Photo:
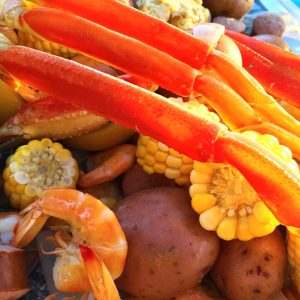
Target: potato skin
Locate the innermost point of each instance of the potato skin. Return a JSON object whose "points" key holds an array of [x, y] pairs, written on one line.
{"points": [[269, 23], [228, 8], [253, 270], [273, 39], [136, 179], [168, 251], [230, 23]]}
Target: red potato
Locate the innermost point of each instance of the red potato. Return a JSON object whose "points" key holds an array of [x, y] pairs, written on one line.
{"points": [[230, 23], [253, 270], [272, 39], [14, 278], [228, 8], [136, 179], [269, 23], [199, 293], [168, 251]]}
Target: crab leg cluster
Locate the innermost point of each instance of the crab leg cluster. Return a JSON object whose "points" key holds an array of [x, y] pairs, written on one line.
{"points": [[50, 74], [182, 67], [277, 70]]}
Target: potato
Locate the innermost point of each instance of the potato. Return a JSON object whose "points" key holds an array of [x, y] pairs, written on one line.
{"points": [[228, 8], [269, 23], [273, 39], [230, 23], [200, 293], [253, 270], [136, 179], [168, 251]]}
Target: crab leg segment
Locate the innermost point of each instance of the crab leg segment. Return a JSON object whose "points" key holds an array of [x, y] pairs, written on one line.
{"points": [[112, 98], [151, 64], [269, 51], [279, 73], [251, 90], [111, 47], [138, 25], [160, 119]]}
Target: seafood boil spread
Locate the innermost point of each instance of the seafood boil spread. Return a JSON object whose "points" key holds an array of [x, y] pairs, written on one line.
{"points": [[151, 150]]}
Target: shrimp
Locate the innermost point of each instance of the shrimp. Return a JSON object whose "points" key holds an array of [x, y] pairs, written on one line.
{"points": [[110, 164], [95, 254]]}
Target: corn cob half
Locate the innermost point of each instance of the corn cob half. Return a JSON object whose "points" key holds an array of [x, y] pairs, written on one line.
{"points": [[156, 157], [227, 203], [10, 17], [35, 167]]}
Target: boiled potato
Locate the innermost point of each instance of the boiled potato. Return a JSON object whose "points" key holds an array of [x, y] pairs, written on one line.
{"points": [[228, 8], [136, 179], [269, 23], [273, 39], [253, 270], [230, 23], [168, 251]]}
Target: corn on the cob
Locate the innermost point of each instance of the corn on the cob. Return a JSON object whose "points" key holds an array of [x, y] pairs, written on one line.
{"points": [[32, 41], [36, 166], [10, 18], [156, 157], [225, 200], [10, 34]]}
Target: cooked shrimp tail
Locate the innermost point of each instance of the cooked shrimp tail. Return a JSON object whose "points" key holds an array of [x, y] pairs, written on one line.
{"points": [[27, 228], [100, 279]]}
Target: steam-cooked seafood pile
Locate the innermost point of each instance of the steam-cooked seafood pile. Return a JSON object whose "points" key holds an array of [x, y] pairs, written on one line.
{"points": [[209, 175]]}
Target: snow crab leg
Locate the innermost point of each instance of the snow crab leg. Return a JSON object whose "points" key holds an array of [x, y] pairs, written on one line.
{"points": [[277, 70], [154, 57], [160, 118]]}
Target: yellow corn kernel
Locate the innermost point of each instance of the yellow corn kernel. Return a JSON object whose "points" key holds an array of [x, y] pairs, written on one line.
{"points": [[198, 189], [211, 218], [253, 135], [173, 162], [141, 151], [183, 180], [160, 168], [263, 214], [268, 141], [159, 156], [172, 173], [202, 178], [186, 160], [203, 202], [242, 231], [36, 166], [258, 229], [32, 41], [174, 153], [227, 228], [186, 169], [152, 147], [149, 159], [148, 169]]}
